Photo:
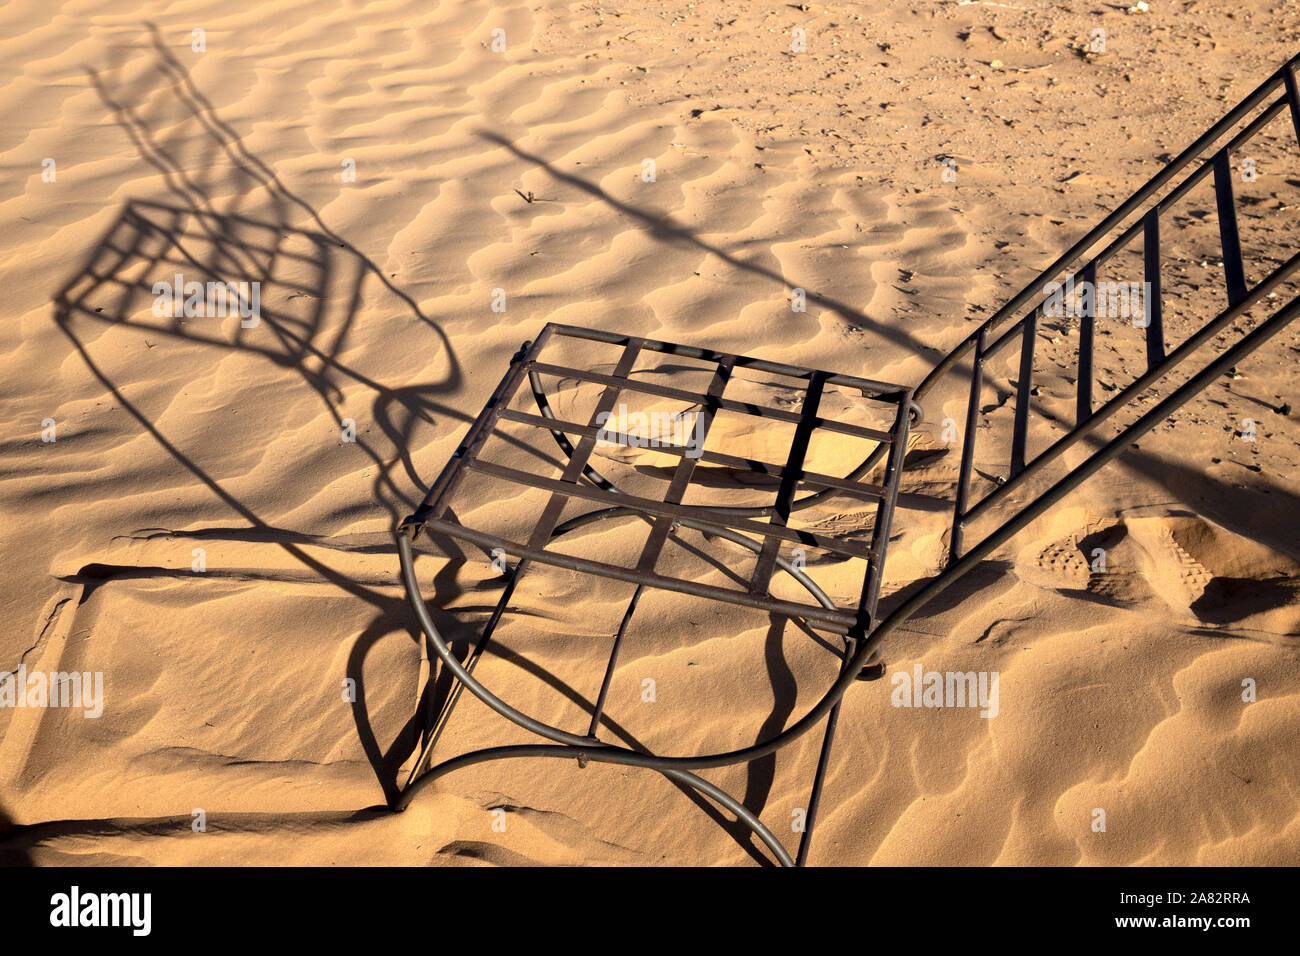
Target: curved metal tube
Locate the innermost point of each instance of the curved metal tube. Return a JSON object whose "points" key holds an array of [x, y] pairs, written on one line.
{"points": [[847, 678], [600, 755]]}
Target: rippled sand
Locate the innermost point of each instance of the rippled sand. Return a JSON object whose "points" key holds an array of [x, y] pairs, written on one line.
{"points": [[201, 532]]}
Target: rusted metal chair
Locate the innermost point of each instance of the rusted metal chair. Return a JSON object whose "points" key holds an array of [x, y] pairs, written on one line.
{"points": [[890, 412]]}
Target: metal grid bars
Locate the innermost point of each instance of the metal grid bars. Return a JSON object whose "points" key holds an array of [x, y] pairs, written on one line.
{"points": [[578, 480]]}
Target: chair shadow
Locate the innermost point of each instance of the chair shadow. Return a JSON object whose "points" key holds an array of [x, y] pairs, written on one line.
{"points": [[310, 282], [663, 229]]}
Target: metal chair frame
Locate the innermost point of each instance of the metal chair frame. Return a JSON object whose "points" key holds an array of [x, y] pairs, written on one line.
{"points": [[859, 627]]}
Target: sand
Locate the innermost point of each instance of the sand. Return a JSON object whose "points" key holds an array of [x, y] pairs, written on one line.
{"points": [[203, 533]]}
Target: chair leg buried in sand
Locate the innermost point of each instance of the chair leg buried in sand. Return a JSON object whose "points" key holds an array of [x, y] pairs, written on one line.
{"points": [[695, 414]]}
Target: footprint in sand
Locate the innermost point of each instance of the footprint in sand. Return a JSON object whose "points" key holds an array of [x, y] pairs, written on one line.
{"points": [[1064, 562], [1220, 577], [1102, 563], [1192, 568], [1191, 574]]}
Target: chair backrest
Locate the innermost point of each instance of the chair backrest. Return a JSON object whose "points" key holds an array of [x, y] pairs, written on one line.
{"points": [[1154, 313]]}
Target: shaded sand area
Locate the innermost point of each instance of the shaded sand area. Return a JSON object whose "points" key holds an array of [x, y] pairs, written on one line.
{"points": [[204, 533]]}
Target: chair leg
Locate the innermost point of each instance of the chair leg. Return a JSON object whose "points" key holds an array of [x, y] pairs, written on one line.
{"points": [[823, 761], [436, 726]]}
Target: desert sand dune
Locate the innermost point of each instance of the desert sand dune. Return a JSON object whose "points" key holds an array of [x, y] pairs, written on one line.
{"points": [[212, 527]]}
